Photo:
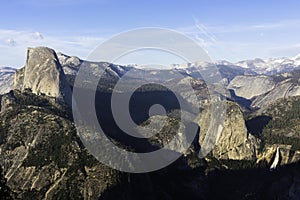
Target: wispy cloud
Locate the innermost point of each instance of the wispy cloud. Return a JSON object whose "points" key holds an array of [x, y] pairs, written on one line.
{"points": [[201, 34], [10, 42], [214, 30], [272, 26], [13, 45], [202, 29], [246, 41], [232, 42], [279, 50]]}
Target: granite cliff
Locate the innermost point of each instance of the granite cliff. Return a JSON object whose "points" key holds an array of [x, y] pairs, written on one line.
{"points": [[43, 74]]}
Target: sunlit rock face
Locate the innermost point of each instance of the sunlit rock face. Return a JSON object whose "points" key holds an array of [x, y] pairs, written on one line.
{"points": [[251, 86], [43, 74], [234, 141]]}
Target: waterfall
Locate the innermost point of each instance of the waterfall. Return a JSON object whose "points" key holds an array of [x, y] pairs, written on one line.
{"points": [[276, 160]]}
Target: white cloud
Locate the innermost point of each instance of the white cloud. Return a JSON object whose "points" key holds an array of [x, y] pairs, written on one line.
{"points": [[231, 43], [10, 42], [37, 36], [13, 45]]}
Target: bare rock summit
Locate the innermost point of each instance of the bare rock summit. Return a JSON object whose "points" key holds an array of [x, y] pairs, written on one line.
{"points": [[43, 74]]}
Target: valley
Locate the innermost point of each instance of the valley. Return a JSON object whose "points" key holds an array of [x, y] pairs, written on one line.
{"points": [[43, 157]]}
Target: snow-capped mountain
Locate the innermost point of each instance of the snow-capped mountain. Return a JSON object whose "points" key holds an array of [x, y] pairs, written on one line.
{"points": [[6, 79], [272, 65], [227, 70], [7, 70], [259, 66]]}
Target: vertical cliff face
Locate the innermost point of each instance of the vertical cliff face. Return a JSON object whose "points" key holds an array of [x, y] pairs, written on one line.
{"points": [[234, 142], [43, 74]]}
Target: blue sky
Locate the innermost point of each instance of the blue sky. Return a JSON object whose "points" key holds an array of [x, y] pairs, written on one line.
{"points": [[226, 29]]}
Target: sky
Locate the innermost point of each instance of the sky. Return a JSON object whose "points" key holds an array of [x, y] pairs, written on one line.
{"points": [[230, 30]]}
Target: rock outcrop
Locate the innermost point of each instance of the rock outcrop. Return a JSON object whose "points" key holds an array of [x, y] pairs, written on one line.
{"points": [[259, 91], [287, 155], [43, 74], [41, 156], [234, 142], [283, 89], [251, 86]]}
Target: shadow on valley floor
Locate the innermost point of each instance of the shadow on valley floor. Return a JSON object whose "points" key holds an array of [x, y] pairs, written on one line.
{"points": [[250, 184], [259, 183], [246, 103], [139, 105], [255, 125], [170, 183]]}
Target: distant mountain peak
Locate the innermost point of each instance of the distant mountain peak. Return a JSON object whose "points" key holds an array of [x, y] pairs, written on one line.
{"points": [[272, 65], [297, 57]]}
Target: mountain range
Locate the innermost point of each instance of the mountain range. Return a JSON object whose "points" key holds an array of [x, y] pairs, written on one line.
{"points": [[274, 78], [6, 79], [268, 66], [271, 66], [42, 157]]}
